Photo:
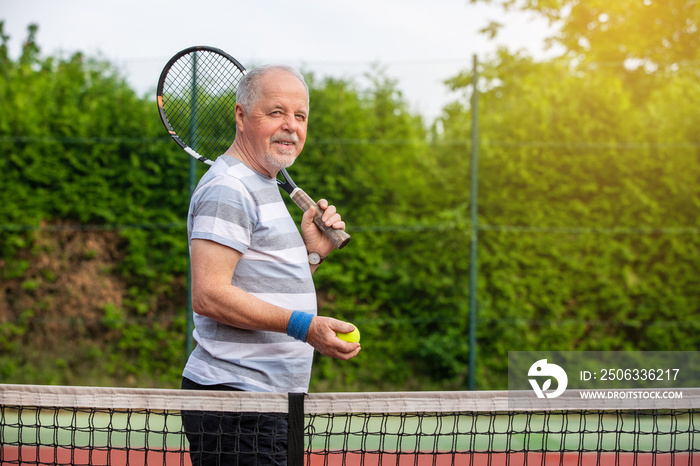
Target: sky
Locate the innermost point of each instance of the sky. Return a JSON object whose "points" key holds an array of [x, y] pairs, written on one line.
{"points": [[418, 43]]}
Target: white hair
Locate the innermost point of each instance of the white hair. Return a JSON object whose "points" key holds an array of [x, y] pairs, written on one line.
{"points": [[249, 88]]}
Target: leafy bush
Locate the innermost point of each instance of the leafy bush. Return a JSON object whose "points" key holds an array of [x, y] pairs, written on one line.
{"points": [[587, 211]]}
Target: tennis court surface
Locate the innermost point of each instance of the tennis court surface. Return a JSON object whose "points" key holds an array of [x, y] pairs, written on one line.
{"points": [[118, 426]]}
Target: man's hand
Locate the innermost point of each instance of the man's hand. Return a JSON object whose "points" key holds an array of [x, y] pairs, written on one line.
{"points": [[314, 239], [321, 335]]}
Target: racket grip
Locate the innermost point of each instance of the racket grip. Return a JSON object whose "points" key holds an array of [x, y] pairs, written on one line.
{"points": [[304, 201]]}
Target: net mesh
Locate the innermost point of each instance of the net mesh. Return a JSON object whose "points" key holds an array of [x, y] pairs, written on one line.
{"points": [[100, 426]]}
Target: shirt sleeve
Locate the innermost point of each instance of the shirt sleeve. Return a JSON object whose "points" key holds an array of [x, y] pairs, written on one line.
{"points": [[224, 212]]}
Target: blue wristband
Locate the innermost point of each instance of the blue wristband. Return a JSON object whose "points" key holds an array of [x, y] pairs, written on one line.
{"points": [[299, 324]]}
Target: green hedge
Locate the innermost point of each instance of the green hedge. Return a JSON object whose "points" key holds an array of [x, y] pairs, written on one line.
{"points": [[589, 234]]}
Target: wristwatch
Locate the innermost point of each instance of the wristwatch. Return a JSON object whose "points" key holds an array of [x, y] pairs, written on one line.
{"points": [[315, 258]]}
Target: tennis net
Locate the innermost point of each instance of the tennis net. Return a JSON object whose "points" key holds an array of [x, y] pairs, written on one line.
{"points": [[110, 426]]}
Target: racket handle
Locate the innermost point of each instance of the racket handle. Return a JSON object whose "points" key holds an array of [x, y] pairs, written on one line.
{"points": [[304, 201]]}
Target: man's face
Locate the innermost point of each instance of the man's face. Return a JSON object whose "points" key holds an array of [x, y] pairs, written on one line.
{"points": [[275, 129]]}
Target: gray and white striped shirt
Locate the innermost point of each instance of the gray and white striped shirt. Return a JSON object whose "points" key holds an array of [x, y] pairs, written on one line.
{"points": [[240, 208]]}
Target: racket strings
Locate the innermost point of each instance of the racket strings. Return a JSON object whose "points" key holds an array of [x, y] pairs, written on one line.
{"points": [[199, 99]]}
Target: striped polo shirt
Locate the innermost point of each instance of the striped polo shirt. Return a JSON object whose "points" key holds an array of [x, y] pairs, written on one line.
{"points": [[240, 208]]}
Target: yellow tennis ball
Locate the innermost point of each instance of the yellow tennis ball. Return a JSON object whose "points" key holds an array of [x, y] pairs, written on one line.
{"points": [[352, 337]]}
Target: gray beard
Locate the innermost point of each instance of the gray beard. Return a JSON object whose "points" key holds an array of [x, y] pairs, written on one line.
{"points": [[278, 163]]}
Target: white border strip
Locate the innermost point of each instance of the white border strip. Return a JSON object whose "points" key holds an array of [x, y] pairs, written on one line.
{"points": [[141, 398], [317, 403], [488, 401]]}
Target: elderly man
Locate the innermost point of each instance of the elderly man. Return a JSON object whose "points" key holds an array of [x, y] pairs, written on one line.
{"points": [[252, 290]]}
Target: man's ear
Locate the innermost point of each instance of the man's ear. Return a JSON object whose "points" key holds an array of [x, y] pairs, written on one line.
{"points": [[240, 116]]}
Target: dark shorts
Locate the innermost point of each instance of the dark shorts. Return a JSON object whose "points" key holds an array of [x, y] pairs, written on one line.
{"points": [[234, 438]]}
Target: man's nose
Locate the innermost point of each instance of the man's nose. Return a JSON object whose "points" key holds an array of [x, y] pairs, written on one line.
{"points": [[290, 123]]}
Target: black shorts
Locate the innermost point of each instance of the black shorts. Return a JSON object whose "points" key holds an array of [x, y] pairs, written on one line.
{"points": [[234, 439]]}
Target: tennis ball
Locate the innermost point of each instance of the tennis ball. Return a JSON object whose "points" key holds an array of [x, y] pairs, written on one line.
{"points": [[352, 337]]}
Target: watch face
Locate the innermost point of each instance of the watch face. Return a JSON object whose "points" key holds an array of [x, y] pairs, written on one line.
{"points": [[314, 258]]}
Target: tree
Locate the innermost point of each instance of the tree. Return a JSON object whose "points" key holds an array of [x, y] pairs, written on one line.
{"points": [[633, 34]]}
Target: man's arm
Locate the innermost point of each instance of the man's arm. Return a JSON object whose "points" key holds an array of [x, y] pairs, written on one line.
{"points": [[213, 296]]}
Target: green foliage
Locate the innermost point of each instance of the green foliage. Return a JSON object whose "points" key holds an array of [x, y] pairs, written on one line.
{"points": [[587, 210], [587, 194], [634, 37], [82, 149]]}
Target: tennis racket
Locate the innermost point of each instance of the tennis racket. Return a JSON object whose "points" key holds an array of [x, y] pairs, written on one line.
{"points": [[197, 99]]}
